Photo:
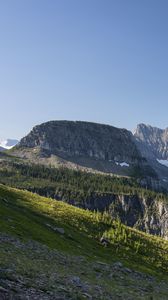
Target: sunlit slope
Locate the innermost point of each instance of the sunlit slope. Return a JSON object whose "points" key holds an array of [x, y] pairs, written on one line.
{"points": [[29, 216]]}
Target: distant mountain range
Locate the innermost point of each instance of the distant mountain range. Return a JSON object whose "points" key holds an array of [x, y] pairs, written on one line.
{"points": [[7, 144], [99, 147]]}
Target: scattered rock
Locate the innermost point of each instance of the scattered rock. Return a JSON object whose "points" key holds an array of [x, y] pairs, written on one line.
{"points": [[104, 241], [58, 229], [2, 290], [60, 276], [117, 265], [102, 263], [127, 270], [87, 296], [76, 280], [5, 200]]}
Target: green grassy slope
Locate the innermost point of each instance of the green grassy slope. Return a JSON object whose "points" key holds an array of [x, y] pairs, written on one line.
{"points": [[30, 216], [50, 262]]}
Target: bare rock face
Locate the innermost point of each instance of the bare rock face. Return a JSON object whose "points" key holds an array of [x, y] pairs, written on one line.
{"points": [[147, 214], [152, 142], [92, 140], [99, 147], [141, 212]]}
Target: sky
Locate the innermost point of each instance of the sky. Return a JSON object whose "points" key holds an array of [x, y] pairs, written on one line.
{"points": [[104, 61]]}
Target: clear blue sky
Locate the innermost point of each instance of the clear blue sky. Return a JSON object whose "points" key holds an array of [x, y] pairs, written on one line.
{"points": [[96, 60]]}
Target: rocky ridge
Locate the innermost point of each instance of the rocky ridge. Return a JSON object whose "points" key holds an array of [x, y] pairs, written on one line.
{"points": [[152, 142], [99, 147], [69, 139]]}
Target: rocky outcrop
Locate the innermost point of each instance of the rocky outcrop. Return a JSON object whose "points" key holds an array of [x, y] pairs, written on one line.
{"points": [[146, 214], [93, 140], [99, 147]]}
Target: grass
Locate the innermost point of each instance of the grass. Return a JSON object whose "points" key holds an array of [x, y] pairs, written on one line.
{"points": [[31, 217]]}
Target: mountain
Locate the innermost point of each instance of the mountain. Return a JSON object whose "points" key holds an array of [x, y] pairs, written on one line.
{"points": [[2, 149], [98, 147], [85, 145], [7, 144], [83, 139], [152, 142]]}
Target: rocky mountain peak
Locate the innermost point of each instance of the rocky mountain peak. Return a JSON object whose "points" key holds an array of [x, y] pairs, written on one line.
{"points": [[145, 132], [87, 139], [152, 140], [92, 145], [153, 145]]}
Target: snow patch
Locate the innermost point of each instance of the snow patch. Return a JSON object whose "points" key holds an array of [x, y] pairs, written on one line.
{"points": [[163, 162], [8, 144], [123, 164]]}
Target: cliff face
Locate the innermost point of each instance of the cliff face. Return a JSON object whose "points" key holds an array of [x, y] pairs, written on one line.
{"points": [[83, 139], [149, 214], [152, 142], [146, 214], [100, 147]]}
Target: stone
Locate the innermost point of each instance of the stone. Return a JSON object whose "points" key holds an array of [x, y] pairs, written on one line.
{"points": [[104, 241], [87, 296], [127, 270], [3, 290], [60, 230], [118, 265]]}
